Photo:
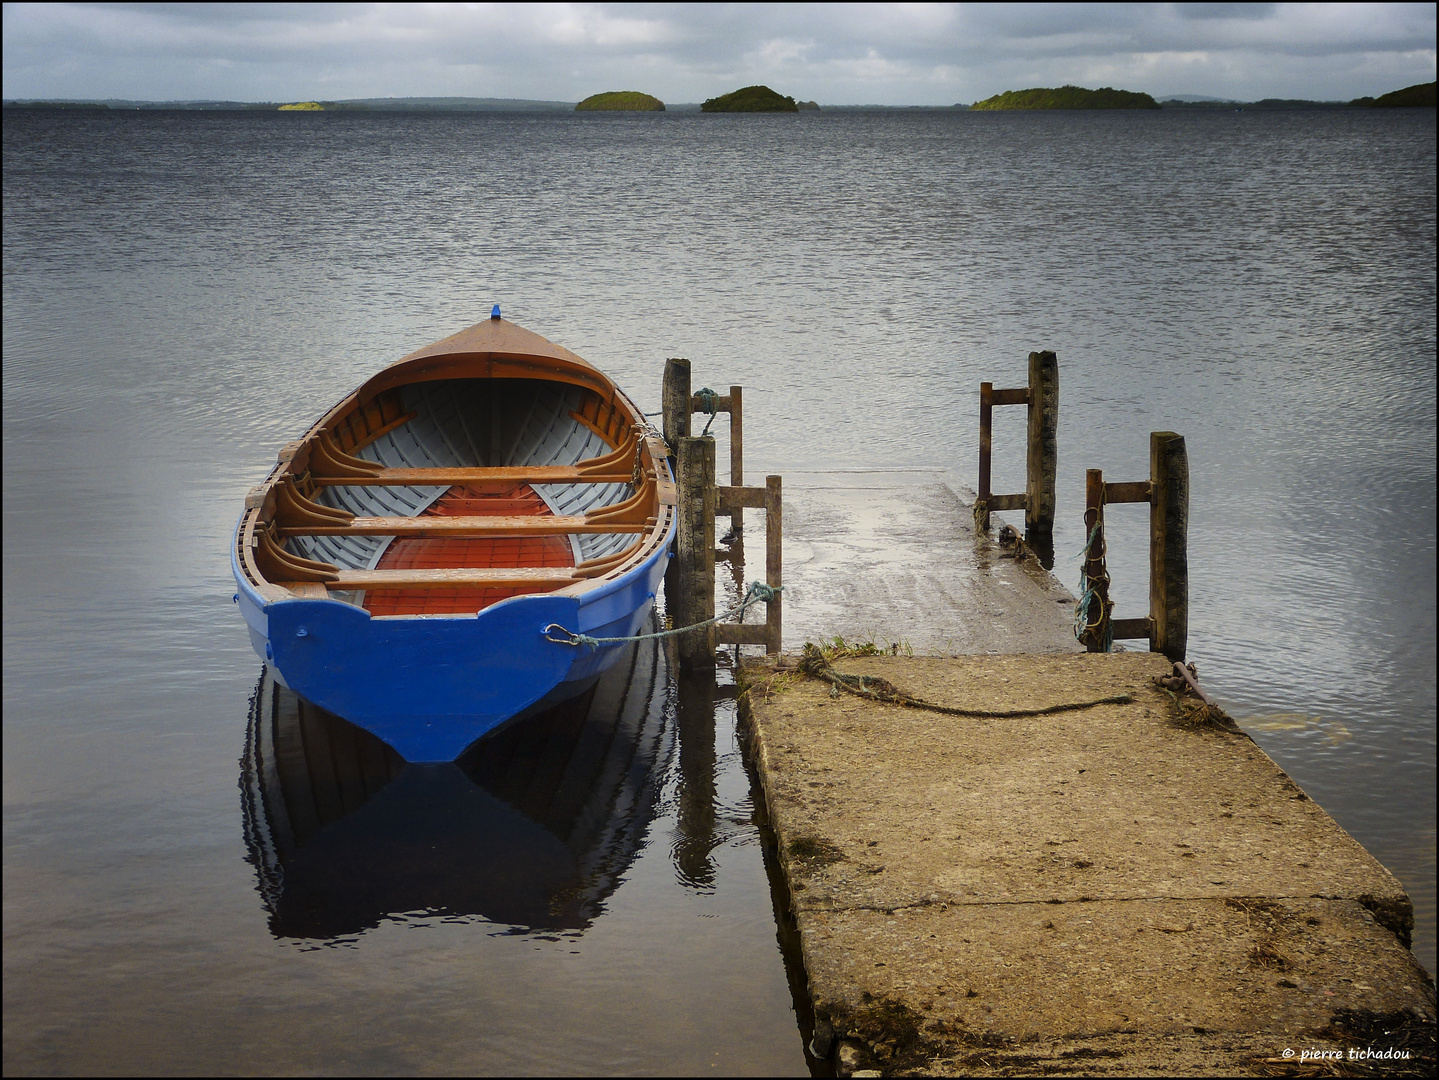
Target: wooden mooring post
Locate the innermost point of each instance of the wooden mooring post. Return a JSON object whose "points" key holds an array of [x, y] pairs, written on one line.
{"points": [[692, 598], [1041, 449], [1167, 493], [690, 582]]}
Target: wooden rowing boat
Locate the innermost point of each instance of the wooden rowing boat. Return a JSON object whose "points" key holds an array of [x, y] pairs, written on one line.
{"points": [[404, 562]]}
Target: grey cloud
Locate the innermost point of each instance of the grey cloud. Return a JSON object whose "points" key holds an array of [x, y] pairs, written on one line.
{"points": [[886, 53]]}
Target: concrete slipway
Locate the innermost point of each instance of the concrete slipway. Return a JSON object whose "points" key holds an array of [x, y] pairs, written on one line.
{"points": [[1104, 891]]}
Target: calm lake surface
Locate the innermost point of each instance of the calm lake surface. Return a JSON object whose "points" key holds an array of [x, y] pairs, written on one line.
{"points": [[184, 292]]}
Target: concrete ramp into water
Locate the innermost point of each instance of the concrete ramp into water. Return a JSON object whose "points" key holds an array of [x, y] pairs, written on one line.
{"points": [[889, 557], [1107, 890]]}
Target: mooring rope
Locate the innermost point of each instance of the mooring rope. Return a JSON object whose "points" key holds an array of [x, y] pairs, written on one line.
{"points": [[758, 592], [817, 666], [1089, 592], [709, 403]]}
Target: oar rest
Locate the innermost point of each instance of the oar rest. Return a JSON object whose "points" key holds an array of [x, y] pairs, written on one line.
{"points": [[294, 509], [331, 466], [278, 565]]}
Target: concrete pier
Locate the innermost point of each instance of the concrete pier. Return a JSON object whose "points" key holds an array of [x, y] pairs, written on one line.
{"points": [[1102, 891]]}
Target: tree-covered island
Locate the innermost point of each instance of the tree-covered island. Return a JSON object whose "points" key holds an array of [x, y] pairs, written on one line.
{"points": [[1068, 97], [621, 101], [1418, 96], [751, 99]]}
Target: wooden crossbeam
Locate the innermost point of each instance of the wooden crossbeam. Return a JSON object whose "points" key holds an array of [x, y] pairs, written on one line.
{"points": [[501, 577], [1019, 395], [1126, 629], [733, 498], [1133, 491], [438, 525], [742, 634]]}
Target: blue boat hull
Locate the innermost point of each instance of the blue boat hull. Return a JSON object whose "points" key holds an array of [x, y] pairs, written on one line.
{"points": [[429, 686]]}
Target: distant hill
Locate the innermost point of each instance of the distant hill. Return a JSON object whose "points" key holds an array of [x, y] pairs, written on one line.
{"points": [[460, 104], [55, 105], [1418, 96], [621, 101], [751, 99], [414, 104], [1068, 97], [1263, 103], [896, 108]]}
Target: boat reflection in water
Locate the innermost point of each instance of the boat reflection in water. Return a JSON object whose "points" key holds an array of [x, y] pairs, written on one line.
{"points": [[534, 827]]}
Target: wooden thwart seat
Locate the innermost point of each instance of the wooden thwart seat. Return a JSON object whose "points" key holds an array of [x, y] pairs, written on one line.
{"points": [[327, 577], [297, 515], [439, 525], [524, 577], [331, 466]]}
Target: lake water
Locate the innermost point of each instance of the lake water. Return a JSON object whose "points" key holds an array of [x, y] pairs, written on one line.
{"points": [[184, 292]]}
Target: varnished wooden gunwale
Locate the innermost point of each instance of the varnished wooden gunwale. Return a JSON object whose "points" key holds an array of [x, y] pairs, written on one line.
{"points": [[373, 409]]}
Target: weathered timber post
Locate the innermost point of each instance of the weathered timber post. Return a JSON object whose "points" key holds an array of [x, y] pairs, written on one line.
{"points": [[736, 452], [773, 565], [1096, 634], [675, 424], [676, 401], [986, 427], [1168, 545], [1042, 453], [692, 597]]}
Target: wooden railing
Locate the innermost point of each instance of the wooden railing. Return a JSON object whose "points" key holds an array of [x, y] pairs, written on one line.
{"points": [[690, 586], [1167, 493], [1041, 453]]}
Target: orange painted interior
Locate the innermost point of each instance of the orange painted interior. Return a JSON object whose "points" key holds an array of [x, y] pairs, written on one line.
{"points": [[469, 500]]}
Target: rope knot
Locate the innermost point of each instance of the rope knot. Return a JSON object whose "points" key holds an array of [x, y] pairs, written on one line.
{"points": [[758, 590], [709, 404]]}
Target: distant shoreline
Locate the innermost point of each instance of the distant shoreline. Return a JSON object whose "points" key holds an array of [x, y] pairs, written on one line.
{"points": [[523, 105]]}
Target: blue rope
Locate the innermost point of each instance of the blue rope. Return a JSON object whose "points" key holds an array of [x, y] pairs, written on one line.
{"points": [[758, 592]]}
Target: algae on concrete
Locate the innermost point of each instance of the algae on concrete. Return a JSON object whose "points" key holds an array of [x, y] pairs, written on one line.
{"points": [[1111, 891]]}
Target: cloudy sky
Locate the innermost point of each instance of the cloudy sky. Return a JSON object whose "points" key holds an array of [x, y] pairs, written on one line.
{"points": [[888, 54]]}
